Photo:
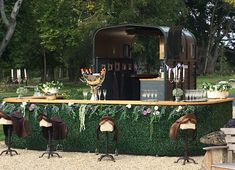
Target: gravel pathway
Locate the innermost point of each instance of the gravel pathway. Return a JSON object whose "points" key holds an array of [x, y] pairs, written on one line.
{"points": [[29, 160]]}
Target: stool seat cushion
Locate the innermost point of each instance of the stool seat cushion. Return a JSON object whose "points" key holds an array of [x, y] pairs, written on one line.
{"points": [[188, 125], [106, 127], [44, 123], [5, 121]]}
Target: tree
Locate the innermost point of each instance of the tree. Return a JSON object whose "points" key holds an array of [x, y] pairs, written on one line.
{"points": [[210, 21], [9, 24]]}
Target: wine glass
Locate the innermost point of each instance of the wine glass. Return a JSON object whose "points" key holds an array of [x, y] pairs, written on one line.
{"points": [[155, 95], [189, 95], [85, 92], [186, 95], [148, 94], [143, 94], [99, 93], [104, 93]]}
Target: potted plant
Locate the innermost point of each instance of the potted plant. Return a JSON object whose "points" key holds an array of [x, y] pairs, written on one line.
{"points": [[50, 88], [20, 91], [217, 90], [177, 93], [232, 82]]}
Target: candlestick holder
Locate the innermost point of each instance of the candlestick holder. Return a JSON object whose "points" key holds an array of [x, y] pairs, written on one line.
{"points": [[176, 74]]}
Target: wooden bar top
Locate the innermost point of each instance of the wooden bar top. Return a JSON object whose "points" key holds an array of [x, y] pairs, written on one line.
{"points": [[117, 102]]}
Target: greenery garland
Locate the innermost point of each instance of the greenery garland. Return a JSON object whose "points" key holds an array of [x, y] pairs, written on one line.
{"points": [[125, 111], [82, 116]]}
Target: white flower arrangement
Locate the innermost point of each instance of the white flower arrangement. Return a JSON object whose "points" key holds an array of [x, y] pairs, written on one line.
{"points": [[218, 90], [51, 87], [179, 109], [156, 107], [23, 104], [221, 86], [128, 106], [70, 104]]}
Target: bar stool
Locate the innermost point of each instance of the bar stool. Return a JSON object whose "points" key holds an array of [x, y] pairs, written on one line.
{"points": [[7, 123], [107, 125], [52, 128], [185, 123]]}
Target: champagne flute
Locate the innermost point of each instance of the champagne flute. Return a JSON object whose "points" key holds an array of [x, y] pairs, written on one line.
{"points": [[143, 94], [151, 95], [99, 93], [85, 92], [147, 95], [155, 95], [186, 95], [104, 93]]}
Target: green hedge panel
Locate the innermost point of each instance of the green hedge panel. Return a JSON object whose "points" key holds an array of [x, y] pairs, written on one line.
{"points": [[134, 136]]}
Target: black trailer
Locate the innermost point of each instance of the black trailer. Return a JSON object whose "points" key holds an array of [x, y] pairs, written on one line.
{"points": [[130, 70]]}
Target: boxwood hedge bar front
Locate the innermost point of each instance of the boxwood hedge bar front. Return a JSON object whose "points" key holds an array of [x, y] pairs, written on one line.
{"points": [[143, 126]]}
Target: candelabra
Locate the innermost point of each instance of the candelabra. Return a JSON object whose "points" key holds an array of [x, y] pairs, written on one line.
{"points": [[176, 74]]}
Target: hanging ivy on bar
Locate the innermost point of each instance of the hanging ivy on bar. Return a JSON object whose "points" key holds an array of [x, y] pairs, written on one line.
{"points": [[84, 111], [180, 111]]}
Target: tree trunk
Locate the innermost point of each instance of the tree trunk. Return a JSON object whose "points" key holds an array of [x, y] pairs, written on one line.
{"points": [[44, 66], [210, 66], [10, 25], [201, 58]]}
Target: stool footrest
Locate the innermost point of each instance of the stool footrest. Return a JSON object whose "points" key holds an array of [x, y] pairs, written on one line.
{"points": [[106, 155], [185, 159], [50, 154], [9, 150]]}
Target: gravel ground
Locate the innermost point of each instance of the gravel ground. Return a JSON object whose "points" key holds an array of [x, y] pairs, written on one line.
{"points": [[29, 160]]}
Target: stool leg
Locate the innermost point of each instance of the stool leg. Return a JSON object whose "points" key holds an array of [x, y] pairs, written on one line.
{"points": [[106, 150], [186, 156], [9, 136], [49, 150]]}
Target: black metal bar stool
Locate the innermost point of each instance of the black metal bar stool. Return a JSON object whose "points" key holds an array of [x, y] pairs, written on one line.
{"points": [[7, 123], [52, 129], [107, 125], [185, 124]]}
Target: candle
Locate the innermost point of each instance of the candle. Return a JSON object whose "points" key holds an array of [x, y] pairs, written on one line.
{"points": [[18, 75], [176, 73], [25, 74], [179, 73], [12, 74], [169, 73], [183, 71]]}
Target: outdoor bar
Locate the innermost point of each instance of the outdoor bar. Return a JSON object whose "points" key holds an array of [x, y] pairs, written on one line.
{"points": [[143, 120], [140, 130]]}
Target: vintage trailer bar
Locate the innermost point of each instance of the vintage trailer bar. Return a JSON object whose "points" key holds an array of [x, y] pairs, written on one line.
{"points": [[132, 53], [143, 125]]}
